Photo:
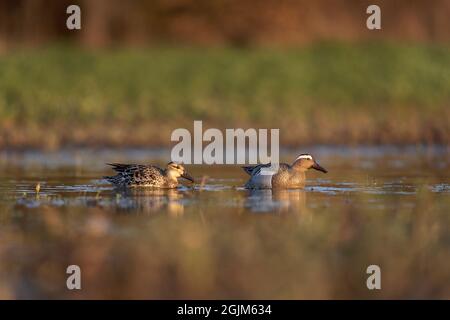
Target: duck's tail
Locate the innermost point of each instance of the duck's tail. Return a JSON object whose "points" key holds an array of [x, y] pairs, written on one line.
{"points": [[114, 180], [249, 169]]}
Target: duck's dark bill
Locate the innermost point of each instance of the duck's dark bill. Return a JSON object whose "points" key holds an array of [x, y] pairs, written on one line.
{"points": [[318, 167], [187, 176]]}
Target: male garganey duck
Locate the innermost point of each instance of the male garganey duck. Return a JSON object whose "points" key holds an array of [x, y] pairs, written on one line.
{"points": [[137, 175], [287, 176]]}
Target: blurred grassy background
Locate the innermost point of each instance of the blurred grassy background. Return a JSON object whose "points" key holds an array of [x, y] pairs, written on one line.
{"points": [[311, 69], [326, 93]]}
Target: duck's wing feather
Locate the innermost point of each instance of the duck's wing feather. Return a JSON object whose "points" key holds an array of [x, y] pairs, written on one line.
{"points": [[135, 174], [128, 168], [254, 170], [121, 167]]}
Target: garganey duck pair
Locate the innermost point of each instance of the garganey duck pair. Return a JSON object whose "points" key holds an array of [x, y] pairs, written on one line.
{"points": [[287, 176]]}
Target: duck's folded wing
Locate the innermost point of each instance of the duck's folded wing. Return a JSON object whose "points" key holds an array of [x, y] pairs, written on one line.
{"points": [[135, 173], [120, 167], [133, 168], [255, 170]]}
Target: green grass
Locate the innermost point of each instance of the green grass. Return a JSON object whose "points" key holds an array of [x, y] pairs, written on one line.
{"points": [[354, 93]]}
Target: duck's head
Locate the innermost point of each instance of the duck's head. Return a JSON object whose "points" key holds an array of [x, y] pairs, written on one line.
{"points": [[175, 170], [305, 162]]}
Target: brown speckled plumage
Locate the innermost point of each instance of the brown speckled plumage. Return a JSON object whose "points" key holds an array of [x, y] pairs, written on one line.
{"points": [[138, 175]]}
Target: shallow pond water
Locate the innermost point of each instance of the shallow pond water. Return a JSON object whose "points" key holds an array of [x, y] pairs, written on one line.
{"points": [[387, 206]]}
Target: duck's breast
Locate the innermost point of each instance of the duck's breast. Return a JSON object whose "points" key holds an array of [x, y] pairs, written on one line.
{"points": [[288, 179]]}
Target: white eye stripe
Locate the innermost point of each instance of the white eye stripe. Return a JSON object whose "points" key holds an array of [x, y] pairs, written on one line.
{"points": [[304, 156]]}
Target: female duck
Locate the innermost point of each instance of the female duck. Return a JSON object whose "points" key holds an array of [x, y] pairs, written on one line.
{"points": [[136, 175]]}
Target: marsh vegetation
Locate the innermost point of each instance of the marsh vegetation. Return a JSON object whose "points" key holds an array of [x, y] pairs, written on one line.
{"points": [[324, 93]]}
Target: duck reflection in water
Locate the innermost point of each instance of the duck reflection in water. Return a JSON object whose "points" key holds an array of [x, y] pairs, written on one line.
{"points": [[150, 201], [277, 200]]}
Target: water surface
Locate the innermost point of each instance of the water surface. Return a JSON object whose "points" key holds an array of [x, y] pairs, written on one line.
{"points": [[387, 206]]}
